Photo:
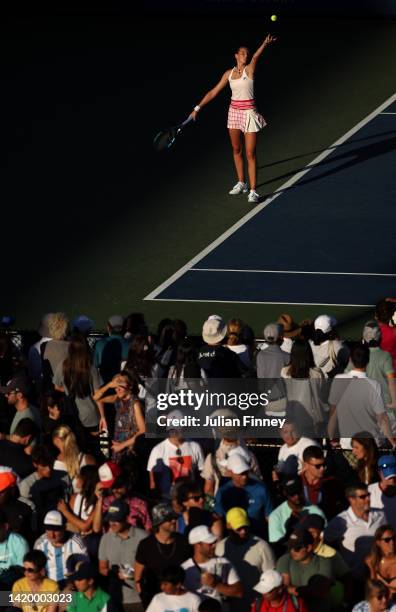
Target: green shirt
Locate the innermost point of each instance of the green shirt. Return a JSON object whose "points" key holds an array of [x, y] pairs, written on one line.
{"points": [[83, 604], [300, 573]]}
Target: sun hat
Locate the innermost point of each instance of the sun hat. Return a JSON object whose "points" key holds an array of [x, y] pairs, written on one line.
{"points": [[214, 330]]}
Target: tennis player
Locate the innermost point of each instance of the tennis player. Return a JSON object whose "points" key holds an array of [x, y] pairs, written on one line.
{"points": [[243, 118]]}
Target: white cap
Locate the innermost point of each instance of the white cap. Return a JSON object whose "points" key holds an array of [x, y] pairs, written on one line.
{"points": [[237, 464], [201, 534], [325, 323], [236, 450], [52, 519], [270, 579]]}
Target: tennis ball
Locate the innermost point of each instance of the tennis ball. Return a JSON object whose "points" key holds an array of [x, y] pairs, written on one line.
{"points": [[274, 17]]}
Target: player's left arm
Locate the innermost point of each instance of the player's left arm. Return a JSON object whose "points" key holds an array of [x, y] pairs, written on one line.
{"points": [[251, 67]]}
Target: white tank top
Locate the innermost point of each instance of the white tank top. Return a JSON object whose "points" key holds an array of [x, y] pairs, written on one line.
{"points": [[242, 88]]}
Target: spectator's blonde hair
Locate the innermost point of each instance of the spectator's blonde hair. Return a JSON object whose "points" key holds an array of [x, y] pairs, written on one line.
{"points": [[234, 329], [58, 325], [71, 451]]}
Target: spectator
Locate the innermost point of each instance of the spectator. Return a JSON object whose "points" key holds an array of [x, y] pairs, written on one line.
{"points": [[377, 598], [216, 360], [324, 491], [173, 458], [249, 554], [365, 451], [384, 312], [69, 459], [352, 531], [14, 448], [17, 514], [191, 501], [173, 597], [158, 551], [315, 524], [55, 350], [111, 350], [13, 547], [78, 379], [82, 325], [140, 361], [241, 491], [129, 420], [305, 389], [275, 597], [121, 489], [215, 466], [35, 362], [383, 493], [186, 365], [16, 393], [282, 520], [58, 545], [270, 361], [117, 553], [290, 461], [235, 328], [330, 354], [380, 366], [53, 414], [301, 564], [134, 325], [89, 595], [381, 561], [291, 331], [209, 575], [35, 581], [357, 405]]}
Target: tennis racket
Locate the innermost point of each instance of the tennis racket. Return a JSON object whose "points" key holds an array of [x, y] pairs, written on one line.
{"points": [[166, 138]]}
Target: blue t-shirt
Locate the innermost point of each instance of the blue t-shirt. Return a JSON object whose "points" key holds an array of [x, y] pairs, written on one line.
{"points": [[254, 498]]}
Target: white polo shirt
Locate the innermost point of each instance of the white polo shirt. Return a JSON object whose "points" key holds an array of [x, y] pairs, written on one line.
{"points": [[380, 501], [355, 535]]}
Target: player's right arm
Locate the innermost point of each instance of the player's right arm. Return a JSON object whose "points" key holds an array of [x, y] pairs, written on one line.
{"points": [[212, 93]]}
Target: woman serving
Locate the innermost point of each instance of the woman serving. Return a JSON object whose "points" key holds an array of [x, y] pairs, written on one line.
{"points": [[243, 117]]}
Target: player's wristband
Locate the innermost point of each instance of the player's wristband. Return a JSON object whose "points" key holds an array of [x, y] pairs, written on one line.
{"points": [[197, 108]]}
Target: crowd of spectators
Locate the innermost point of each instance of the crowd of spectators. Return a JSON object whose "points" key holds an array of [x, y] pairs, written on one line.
{"points": [[94, 515]]}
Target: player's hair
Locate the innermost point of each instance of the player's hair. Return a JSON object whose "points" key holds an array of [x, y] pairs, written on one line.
{"points": [[173, 574], [37, 557], [312, 452], [301, 359], [58, 325], [384, 311], [350, 491], [360, 355], [185, 489], [26, 427], [376, 587], [234, 330], [41, 456]]}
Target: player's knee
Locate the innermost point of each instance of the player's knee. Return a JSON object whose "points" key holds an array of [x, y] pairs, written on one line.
{"points": [[237, 150], [250, 154]]}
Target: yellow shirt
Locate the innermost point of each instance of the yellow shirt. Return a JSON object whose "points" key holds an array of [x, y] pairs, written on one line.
{"points": [[22, 586]]}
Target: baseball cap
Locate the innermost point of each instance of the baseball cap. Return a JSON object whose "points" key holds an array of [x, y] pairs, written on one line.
{"points": [[84, 571], [371, 331], [237, 464], [292, 486], [387, 465], [269, 580], [272, 332], [201, 534], [299, 537], [312, 520], [237, 518], [108, 472], [54, 520], [117, 512], [116, 321], [15, 384], [83, 324], [214, 330], [325, 323], [163, 512], [7, 479]]}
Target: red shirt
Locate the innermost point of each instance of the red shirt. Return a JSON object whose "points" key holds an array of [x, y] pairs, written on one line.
{"points": [[388, 340], [265, 606]]}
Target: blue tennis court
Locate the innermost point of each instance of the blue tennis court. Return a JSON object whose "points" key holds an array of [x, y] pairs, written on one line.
{"points": [[325, 237]]}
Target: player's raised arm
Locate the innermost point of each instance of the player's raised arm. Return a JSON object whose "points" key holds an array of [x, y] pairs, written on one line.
{"points": [[269, 39], [212, 93]]}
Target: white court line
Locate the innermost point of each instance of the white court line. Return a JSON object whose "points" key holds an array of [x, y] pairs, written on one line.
{"points": [[268, 303], [289, 272], [387, 113], [260, 207]]}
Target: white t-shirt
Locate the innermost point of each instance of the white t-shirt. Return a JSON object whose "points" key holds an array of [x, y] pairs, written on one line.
{"points": [[174, 603], [219, 566], [290, 455], [165, 452], [242, 351]]}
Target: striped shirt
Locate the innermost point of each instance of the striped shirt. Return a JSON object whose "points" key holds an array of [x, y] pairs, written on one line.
{"points": [[57, 556]]}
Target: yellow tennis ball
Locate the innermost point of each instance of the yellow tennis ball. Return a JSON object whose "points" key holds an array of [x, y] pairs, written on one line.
{"points": [[274, 17]]}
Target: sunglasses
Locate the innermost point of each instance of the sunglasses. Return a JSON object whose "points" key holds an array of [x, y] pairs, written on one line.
{"points": [[363, 496], [388, 539], [30, 570], [317, 466], [196, 497], [179, 458]]}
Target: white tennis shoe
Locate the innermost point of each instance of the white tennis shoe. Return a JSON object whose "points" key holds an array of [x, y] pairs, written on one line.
{"points": [[253, 196], [239, 188]]}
